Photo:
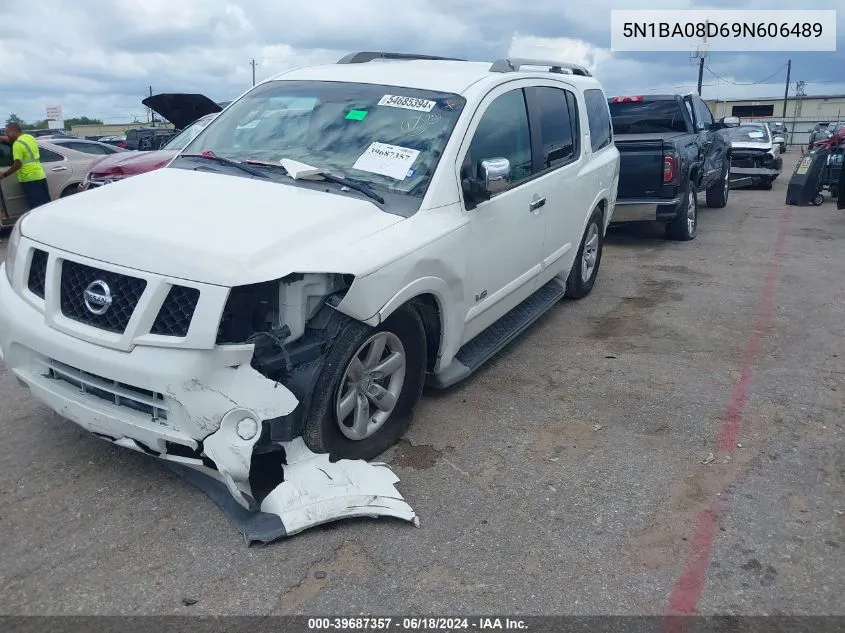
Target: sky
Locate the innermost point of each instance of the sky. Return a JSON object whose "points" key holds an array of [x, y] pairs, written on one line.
{"points": [[98, 58]]}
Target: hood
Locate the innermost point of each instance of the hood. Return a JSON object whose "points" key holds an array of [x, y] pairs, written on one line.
{"points": [[131, 163], [765, 146], [181, 109], [210, 228]]}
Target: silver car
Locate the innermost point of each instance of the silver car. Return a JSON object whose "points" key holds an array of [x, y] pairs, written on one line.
{"points": [[65, 163]]}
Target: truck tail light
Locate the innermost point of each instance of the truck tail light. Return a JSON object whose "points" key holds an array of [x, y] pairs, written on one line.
{"points": [[627, 99], [670, 168]]}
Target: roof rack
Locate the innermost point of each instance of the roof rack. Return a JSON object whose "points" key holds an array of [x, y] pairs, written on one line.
{"points": [[368, 56], [512, 65]]}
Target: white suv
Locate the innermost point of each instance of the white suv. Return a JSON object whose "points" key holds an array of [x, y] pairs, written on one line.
{"points": [[337, 237]]}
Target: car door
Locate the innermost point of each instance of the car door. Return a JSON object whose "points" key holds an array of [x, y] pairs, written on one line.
{"points": [[562, 178], [712, 144], [505, 232], [58, 168], [13, 203]]}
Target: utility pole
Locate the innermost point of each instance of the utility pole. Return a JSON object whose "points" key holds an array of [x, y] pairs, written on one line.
{"points": [[786, 90], [252, 63], [701, 54]]}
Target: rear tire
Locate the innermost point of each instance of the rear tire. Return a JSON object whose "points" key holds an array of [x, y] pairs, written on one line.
{"points": [[717, 193], [403, 334], [69, 191], [685, 226], [766, 185], [584, 271]]}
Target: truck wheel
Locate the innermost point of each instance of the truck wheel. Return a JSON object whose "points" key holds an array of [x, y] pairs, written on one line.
{"points": [[766, 184], [685, 225], [584, 271], [818, 200], [717, 193], [369, 386]]}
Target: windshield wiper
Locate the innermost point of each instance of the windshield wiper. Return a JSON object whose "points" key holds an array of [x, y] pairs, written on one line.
{"points": [[311, 173], [221, 160]]}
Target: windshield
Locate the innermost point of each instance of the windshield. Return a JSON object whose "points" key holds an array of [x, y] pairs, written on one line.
{"points": [[187, 135], [387, 137], [648, 117], [748, 134]]}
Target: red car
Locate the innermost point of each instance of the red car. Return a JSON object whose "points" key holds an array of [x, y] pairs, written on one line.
{"points": [[188, 112]]}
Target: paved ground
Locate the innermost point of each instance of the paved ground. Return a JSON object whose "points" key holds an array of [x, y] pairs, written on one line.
{"points": [[681, 350]]}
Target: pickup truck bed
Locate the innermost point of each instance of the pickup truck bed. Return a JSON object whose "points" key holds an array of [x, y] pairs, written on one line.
{"points": [[670, 150]]}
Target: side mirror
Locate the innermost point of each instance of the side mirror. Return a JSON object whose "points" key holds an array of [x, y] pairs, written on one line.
{"points": [[729, 121], [495, 175]]}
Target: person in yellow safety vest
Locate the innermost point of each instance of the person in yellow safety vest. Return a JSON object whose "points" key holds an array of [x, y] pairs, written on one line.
{"points": [[27, 163]]}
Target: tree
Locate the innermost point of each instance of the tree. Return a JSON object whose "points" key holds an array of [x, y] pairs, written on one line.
{"points": [[83, 120], [14, 118], [39, 125]]}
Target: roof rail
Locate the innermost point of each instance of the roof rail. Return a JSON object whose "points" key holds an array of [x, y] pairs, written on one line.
{"points": [[368, 56], [512, 65]]}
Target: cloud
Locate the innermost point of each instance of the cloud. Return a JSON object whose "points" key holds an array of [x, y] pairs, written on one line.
{"points": [[102, 62]]}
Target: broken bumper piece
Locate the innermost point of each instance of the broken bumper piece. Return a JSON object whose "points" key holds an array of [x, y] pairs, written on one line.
{"points": [[314, 491], [199, 410]]}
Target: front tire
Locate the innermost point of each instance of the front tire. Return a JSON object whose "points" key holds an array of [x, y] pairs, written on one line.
{"points": [[584, 271], [369, 387], [685, 226], [717, 193]]}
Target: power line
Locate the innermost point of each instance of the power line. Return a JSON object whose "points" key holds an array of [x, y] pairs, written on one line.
{"points": [[753, 83]]}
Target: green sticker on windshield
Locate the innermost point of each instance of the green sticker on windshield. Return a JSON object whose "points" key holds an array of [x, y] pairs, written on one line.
{"points": [[356, 115]]}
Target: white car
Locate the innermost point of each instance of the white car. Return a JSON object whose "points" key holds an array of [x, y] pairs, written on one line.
{"points": [[395, 221], [755, 155]]}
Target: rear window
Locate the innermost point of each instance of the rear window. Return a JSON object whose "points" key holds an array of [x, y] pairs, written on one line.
{"points": [[648, 117], [599, 119]]}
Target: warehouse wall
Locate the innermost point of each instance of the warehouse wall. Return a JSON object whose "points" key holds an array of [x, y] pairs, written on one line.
{"points": [[117, 129]]}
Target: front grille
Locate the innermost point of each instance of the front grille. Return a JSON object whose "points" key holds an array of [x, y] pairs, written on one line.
{"points": [[37, 273], [176, 312], [117, 393], [125, 293]]}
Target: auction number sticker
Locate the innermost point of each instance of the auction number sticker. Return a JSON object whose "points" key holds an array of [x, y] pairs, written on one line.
{"points": [[804, 165], [409, 103], [393, 161]]}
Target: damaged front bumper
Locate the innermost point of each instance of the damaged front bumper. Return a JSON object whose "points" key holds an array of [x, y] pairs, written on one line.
{"points": [[759, 164], [205, 410]]}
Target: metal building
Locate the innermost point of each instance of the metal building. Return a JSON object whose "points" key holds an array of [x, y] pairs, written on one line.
{"points": [[803, 112]]}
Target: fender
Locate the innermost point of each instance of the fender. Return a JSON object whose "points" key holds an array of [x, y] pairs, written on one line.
{"points": [[445, 304]]}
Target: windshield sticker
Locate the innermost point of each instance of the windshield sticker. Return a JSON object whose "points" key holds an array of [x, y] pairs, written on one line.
{"points": [[409, 103], [410, 173], [357, 115], [392, 161]]}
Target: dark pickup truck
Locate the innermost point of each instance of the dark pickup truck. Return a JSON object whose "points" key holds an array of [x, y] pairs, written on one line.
{"points": [[670, 150]]}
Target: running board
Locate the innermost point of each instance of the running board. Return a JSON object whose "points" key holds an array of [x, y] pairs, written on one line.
{"points": [[484, 346]]}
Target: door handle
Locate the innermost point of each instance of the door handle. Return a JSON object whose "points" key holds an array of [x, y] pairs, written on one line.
{"points": [[59, 169], [536, 203]]}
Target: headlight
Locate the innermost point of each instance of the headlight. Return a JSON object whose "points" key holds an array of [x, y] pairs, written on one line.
{"points": [[12, 251]]}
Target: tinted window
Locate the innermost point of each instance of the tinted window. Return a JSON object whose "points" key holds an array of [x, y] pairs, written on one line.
{"points": [[49, 156], [648, 117], [503, 133], [86, 148], [703, 113], [558, 126], [598, 115]]}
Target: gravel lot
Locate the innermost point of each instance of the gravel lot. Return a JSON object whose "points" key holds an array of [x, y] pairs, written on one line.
{"points": [[565, 477]]}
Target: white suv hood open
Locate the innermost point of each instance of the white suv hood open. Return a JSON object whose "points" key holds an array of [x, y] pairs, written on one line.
{"points": [[210, 228]]}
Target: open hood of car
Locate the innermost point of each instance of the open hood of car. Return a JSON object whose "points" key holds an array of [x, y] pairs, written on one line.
{"points": [[181, 109]]}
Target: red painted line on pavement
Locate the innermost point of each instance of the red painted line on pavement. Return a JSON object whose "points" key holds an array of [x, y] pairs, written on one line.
{"points": [[687, 590]]}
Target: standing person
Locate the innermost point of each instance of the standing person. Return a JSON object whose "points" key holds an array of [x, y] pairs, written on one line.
{"points": [[27, 163]]}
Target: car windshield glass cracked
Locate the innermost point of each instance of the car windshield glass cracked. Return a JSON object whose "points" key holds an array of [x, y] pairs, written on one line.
{"points": [[389, 137]]}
